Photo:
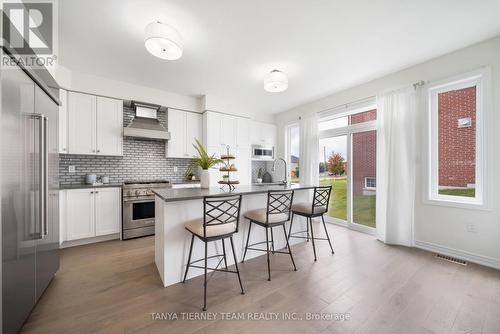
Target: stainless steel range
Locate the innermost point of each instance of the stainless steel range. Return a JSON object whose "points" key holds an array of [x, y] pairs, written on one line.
{"points": [[139, 207]]}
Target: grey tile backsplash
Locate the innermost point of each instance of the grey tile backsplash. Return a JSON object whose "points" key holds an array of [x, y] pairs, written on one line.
{"points": [[142, 160]]}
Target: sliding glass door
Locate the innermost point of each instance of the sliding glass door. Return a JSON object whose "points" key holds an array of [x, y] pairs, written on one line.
{"points": [[347, 162]]}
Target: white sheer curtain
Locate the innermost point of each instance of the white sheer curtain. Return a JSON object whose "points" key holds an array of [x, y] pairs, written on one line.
{"points": [[308, 163], [396, 158]]}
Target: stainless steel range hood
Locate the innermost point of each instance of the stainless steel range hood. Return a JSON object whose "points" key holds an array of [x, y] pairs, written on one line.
{"points": [[145, 124]]}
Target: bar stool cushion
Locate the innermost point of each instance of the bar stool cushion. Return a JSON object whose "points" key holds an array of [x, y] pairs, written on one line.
{"points": [[306, 208], [196, 226], [259, 215]]}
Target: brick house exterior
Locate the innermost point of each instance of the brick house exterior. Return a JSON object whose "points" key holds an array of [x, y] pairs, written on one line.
{"points": [[364, 153], [457, 145]]}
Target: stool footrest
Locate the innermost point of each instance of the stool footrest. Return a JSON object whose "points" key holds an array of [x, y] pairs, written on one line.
{"points": [[298, 237], [208, 257], [214, 269]]}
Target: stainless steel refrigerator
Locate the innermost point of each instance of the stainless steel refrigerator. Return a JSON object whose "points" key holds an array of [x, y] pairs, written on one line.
{"points": [[29, 192]]}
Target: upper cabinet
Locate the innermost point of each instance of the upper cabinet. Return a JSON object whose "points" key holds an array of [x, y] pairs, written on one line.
{"points": [[184, 127], [263, 134], [225, 130], [109, 126], [95, 125]]}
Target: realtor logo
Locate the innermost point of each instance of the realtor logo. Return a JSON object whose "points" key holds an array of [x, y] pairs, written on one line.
{"points": [[28, 27]]}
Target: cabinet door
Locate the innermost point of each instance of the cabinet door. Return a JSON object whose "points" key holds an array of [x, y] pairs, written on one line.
{"points": [[255, 129], [107, 211], [62, 216], [213, 129], [63, 122], [81, 123], [268, 134], [243, 163], [109, 126], [229, 131], [193, 131], [242, 132], [80, 220], [176, 146]]}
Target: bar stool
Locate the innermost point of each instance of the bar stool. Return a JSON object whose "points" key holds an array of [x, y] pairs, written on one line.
{"points": [[220, 221], [276, 214], [317, 208]]}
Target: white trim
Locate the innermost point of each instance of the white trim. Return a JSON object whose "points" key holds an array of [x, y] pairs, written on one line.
{"points": [[288, 148], [366, 186], [464, 255], [86, 241], [349, 108], [479, 78]]}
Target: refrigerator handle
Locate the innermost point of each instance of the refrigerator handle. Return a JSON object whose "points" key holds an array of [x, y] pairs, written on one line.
{"points": [[45, 225]]}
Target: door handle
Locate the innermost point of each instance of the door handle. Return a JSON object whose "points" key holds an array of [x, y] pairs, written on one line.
{"points": [[45, 231]]}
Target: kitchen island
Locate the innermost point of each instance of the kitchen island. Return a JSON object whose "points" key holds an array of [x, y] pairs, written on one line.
{"points": [[175, 207]]}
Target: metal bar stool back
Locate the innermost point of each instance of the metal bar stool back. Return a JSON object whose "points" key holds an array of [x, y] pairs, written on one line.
{"points": [[317, 208], [277, 213], [220, 221]]}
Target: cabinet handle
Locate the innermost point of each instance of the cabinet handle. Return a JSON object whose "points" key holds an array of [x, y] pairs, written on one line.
{"points": [[96, 192], [98, 151]]}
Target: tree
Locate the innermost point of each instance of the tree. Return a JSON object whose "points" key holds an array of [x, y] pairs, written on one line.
{"points": [[336, 164]]}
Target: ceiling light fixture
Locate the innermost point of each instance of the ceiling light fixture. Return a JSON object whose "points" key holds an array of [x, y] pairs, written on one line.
{"points": [[163, 41], [275, 81]]}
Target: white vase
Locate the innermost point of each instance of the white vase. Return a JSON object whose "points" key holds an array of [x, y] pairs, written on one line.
{"points": [[204, 178]]}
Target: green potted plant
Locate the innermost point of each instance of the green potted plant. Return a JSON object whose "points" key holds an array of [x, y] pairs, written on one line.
{"points": [[204, 161], [259, 176]]}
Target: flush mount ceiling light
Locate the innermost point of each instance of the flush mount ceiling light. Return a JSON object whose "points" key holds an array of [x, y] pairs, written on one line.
{"points": [[163, 41], [275, 81]]}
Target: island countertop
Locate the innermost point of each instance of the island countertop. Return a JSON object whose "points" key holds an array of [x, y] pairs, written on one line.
{"points": [[172, 195]]}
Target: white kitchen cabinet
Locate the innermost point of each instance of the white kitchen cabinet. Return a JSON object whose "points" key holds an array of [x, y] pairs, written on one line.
{"points": [[62, 216], [81, 123], [243, 163], [80, 220], [89, 212], [109, 126], [95, 125], [107, 210], [228, 131], [212, 129], [63, 122], [184, 127], [263, 134], [193, 131], [243, 132]]}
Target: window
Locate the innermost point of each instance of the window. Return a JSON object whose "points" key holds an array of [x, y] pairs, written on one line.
{"points": [[293, 152], [347, 162], [370, 183], [456, 140]]}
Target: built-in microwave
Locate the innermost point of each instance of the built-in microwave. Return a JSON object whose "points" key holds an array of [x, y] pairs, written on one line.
{"points": [[260, 152]]}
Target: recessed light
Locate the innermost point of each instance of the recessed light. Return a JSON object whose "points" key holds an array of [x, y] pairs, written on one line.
{"points": [[275, 81], [163, 41]]}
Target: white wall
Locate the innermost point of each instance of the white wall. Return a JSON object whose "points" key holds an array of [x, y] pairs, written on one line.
{"points": [[437, 227], [216, 103], [92, 84]]}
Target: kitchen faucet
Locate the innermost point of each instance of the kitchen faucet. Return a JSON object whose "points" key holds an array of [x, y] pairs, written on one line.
{"points": [[285, 181]]}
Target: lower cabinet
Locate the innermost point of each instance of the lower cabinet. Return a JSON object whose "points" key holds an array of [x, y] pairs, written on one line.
{"points": [[89, 212]]}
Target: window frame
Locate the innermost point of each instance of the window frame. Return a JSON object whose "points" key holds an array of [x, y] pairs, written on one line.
{"points": [[481, 80], [366, 183], [288, 148]]}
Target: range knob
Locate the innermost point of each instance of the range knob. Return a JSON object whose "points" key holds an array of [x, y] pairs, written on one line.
{"points": [[149, 192], [138, 193], [129, 193]]}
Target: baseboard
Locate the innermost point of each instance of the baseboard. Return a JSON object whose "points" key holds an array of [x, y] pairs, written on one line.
{"points": [[464, 255], [86, 241]]}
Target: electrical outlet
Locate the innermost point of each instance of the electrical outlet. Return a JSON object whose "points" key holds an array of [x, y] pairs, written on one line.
{"points": [[176, 169], [71, 169], [471, 228]]}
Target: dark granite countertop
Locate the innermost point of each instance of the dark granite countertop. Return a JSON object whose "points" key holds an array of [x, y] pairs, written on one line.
{"points": [[185, 194], [85, 186]]}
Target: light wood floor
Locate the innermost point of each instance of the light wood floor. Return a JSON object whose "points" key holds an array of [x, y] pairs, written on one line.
{"points": [[113, 287]]}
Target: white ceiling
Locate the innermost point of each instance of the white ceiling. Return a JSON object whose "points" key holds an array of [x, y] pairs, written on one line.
{"points": [[323, 45]]}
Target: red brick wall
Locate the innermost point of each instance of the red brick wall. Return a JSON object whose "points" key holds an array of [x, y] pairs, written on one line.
{"points": [[457, 146], [364, 152]]}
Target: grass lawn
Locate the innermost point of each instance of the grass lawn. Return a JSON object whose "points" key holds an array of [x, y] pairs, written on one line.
{"points": [[469, 192], [363, 206]]}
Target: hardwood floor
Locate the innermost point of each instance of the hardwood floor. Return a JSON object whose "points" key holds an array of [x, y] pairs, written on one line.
{"points": [[113, 287]]}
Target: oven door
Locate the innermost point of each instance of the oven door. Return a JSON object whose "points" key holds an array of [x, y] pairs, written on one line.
{"points": [[138, 213]]}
